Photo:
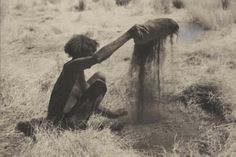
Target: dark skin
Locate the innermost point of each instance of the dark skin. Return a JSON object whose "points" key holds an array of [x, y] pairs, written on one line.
{"points": [[70, 87], [71, 84], [87, 62]]}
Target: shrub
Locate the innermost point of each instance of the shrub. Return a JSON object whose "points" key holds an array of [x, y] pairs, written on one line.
{"points": [[122, 2], [81, 5], [225, 4], [210, 15], [178, 4]]}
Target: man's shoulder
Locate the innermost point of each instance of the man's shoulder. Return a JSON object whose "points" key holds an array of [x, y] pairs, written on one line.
{"points": [[69, 67], [81, 63], [68, 63]]}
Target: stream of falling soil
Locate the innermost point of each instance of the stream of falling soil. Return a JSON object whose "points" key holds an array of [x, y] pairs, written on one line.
{"points": [[158, 125], [145, 82]]}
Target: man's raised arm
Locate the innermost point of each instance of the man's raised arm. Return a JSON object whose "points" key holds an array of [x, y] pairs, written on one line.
{"points": [[106, 51], [102, 54]]}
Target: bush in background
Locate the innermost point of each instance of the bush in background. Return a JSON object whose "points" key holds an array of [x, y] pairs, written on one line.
{"points": [[225, 4], [178, 4], [210, 15], [122, 2], [81, 5]]}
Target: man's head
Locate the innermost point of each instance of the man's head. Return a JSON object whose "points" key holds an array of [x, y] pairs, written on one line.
{"points": [[80, 46]]}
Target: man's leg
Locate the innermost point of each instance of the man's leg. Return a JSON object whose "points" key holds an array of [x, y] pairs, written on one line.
{"points": [[80, 113], [102, 110], [90, 103], [95, 77]]}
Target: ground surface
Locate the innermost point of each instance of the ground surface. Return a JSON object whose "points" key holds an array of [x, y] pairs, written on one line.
{"points": [[33, 35]]}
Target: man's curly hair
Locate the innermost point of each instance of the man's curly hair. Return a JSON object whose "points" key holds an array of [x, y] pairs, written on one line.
{"points": [[80, 46]]}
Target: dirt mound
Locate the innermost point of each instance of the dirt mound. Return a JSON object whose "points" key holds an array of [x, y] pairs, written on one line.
{"points": [[202, 114], [208, 97]]}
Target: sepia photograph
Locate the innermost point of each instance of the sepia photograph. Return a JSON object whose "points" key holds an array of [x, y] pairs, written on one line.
{"points": [[118, 78]]}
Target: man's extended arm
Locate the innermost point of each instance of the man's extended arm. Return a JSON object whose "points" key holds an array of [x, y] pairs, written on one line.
{"points": [[102, 54], [106, 51]]}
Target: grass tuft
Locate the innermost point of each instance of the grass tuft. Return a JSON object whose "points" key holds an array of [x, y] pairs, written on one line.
{"points": [[208, 97]]}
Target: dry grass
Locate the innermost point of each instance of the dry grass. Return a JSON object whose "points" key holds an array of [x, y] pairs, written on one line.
{"points": [[161, 6], [216, 141], [210, 14], [84, 143], [26, 84], [107, 4]]}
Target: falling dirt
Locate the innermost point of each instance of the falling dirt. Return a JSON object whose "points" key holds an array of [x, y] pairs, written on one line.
{"points": [[171, 122], [32, 55], [159, 119], [158, 123], [145, 76], [146, 79], [154, 138]]}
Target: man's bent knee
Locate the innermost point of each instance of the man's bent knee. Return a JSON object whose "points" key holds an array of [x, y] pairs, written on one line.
{"points": [[100, 75], [96, 76]]}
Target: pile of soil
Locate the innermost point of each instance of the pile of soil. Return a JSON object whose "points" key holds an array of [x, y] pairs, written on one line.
{"points": [[208, 96]]}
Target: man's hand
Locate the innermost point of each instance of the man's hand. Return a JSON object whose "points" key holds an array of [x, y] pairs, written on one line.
{"points": [[153, 29], [137, 31], [107, 50]]}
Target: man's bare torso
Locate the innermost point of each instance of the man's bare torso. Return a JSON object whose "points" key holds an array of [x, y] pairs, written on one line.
{"points": [[69, 87]]}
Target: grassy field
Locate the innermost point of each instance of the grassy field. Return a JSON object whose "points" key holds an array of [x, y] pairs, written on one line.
{"points": [[200, 72]]}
